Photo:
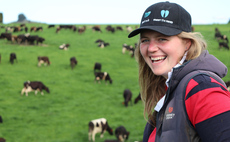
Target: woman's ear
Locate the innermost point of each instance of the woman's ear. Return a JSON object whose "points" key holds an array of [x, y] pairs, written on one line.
{"points": [[188, 43]]}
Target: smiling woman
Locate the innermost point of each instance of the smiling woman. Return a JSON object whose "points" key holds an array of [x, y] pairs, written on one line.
{"points": [[177, 77]]}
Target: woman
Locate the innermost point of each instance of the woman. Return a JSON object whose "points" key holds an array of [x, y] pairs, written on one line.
{"points": [[184, 96]]}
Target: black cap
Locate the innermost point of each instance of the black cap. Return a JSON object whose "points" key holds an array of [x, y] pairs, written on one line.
{"points": [[166, 18]]}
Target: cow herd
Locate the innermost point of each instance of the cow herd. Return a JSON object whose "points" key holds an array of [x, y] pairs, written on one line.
{"points": [[97, 125]]}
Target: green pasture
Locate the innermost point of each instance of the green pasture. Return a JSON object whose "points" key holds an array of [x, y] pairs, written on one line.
{"points": [[75, 99]]}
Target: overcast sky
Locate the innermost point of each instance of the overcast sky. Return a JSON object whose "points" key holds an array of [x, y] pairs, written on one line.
{"points": [[107, 11]]}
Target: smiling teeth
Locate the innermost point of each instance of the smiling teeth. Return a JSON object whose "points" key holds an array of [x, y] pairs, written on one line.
{"points": [[158, 58]]}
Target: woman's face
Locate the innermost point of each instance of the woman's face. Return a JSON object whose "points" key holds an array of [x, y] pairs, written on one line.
{"points": [[161, 52]]}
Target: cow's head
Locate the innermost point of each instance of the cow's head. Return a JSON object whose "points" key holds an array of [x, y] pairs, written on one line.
{"points": [[47, 90]]}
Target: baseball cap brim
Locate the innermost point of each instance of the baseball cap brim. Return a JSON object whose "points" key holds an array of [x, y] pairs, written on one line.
{"points": [[161, 29]]}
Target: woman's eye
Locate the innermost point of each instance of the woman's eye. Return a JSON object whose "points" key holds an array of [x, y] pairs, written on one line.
{"points": [[144, 40], [162, 39]]}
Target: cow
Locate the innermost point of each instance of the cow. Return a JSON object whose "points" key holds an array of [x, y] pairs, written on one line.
{"points": [[119, 28], [109, 28], [121, 133], [103, 44], [34, 38], [43, 60], [51, 26], [23, 38], [129, 48], [138, 98], [219, 37], [102, 76], [13, 57], [81, 29], [129, 29], [7, 36], [223, 44], [97, 67], [228, 85], [34, 86], [64, 46], [98, 126], [99, 41], [127, 94], [73, 62], [97, 29]]}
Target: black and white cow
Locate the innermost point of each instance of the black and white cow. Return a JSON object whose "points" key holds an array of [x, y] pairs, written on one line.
{"points": [[97, 67], [64, 46], [223, 44], [127, 94], [73, 62], [121, 133], [36, 86], [129, 48], [98, 126], [13, 57], [43, 60], [102, 76]]}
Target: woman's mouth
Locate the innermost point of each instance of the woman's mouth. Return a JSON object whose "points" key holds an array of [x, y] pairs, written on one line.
{"points": [[157, 59]]}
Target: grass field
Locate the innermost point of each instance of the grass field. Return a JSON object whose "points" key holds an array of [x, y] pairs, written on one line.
{"points": [[75, 99]]}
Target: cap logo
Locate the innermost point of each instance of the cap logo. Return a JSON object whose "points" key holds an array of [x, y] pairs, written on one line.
{"points": [[164, 13], [147, 14]]}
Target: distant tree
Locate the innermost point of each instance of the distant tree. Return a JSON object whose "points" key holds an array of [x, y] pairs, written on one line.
{"points": [[229, 21], [1, 17], [21, 17]]}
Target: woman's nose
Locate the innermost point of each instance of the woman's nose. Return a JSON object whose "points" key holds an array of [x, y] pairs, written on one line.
{"points": [[152, 47]]}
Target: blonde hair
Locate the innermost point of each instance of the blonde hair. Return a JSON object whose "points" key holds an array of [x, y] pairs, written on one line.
{"points": [[153, 86]]}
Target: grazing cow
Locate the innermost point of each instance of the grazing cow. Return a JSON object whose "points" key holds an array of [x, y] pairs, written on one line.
{"points": [[34, 86], [121, 134], [43, 60], [228, 85], [97, 67], [109, 28], [224, 38], [102, 76], [12, 57], [73, 62], [64, 46], [7, 36], [129, 48], [127, 94], [33, 29], [51, 26], [97, 29], [98, 126], [99, 41], [23, 38], [103, 44], [129, 29], [138, 98], [119, 28], [223, 44], [81, 29]]}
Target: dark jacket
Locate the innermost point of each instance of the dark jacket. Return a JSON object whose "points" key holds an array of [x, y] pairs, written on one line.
{"points": [[172, 123]]}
